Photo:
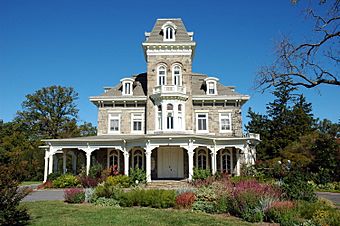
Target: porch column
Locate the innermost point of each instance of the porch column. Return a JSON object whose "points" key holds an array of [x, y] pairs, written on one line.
{"points": [[191, 159], [238, 164], [213, 162], [50, 167], [126, 163], [46, 166], [148, 161], [64, 162], [88, 162]]}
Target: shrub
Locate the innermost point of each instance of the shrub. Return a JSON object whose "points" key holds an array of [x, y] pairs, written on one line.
{"points": [[204, 206], [10, 196], [66, 181], [137, 175], [53, 176], [252, 215], [107, 191], [185, 200], [111, 171], [95, 170], [121, 180], [296, 187], [102, 201], [282, 212], [148, 198], [89, 195], [87, 182], [74, 195], [201, 174]]}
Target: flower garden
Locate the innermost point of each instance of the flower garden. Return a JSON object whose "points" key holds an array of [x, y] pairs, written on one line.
{"points": [[290, 201]]}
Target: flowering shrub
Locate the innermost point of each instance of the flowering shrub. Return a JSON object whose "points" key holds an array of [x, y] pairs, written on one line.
{"points": [[87, 181], [201, 174], [111, 171], [137, 175], [74, 195], [185, 200]]}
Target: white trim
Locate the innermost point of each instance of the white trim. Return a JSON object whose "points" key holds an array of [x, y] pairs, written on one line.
{"points": [[117, 98], [167, 52], [220, 97], [207, 123], [220, 122], [114, 116]]}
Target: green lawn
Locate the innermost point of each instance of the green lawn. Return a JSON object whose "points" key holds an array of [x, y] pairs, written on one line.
{"points": [[59, 213]]}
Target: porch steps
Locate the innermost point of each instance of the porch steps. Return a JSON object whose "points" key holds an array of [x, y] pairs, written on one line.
{"points": [[168, 184]]}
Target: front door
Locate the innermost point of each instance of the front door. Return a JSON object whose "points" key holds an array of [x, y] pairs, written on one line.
{"points": [[170, 163]]}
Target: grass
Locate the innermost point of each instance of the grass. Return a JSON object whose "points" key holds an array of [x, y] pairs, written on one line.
{"points": [[59, 213], [25, 183]]}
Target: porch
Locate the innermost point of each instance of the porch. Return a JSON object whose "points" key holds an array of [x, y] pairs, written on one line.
{"points": [[162, 157]]}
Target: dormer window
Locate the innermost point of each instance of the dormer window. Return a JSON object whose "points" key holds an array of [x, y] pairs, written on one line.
{"points": [[161, 74], [211, 84], [127, 84], [177, 75], [169, 31]]}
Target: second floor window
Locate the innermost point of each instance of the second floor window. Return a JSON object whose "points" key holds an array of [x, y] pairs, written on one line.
{"points": [[114, 123], [137, 122], [161, 75], [159, 117], [202, 122], [225, 122]]}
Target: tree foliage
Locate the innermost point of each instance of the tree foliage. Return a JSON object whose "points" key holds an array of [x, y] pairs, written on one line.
{"points": [[311, 62], [50, 112]]}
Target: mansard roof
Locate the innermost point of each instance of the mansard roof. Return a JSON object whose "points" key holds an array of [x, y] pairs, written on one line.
{"points": [[198, 87], [182, 35]]}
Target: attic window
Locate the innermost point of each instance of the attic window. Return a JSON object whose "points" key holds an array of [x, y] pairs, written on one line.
{"points": [[211, 84], [127, 84], [169, 31]]}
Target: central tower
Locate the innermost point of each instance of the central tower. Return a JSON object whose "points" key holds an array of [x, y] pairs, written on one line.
{"points": [[169, 51]]}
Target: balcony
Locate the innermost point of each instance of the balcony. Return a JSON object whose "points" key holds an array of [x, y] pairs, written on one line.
{"points": [[169, 90]]}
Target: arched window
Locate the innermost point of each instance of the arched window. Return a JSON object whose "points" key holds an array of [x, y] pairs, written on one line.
{"points": [[201, 159], [170, 116], [177, 75], [169, 34], [114, 158], [138, 159], [226, 161], [161, 74]]}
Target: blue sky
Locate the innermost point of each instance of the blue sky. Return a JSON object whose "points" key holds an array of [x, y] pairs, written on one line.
{"points": [[92, 44]]}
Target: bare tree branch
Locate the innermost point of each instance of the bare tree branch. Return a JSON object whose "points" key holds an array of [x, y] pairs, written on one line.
{"points": [[311, 63]]}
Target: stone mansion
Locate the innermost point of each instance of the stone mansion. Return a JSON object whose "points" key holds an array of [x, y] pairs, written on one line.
{"points": [[166, 121]]}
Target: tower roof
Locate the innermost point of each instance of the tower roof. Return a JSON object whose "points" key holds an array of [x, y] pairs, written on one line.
{"points": [[156, 35]]}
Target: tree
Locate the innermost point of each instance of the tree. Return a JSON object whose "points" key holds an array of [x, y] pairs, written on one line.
{"points": [[288, 117], [50, 112], [312, 62]]}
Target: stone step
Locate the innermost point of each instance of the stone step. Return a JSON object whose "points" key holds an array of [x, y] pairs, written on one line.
{"points": [[168, 185]]}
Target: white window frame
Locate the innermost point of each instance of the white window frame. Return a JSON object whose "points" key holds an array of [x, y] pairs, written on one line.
{"points": [[113, 116], [225, 115], [159, 76], [169, 34], [179, 76], [127, 82], [207, 122], [135, 117], [213, 81], [170, 125]]}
